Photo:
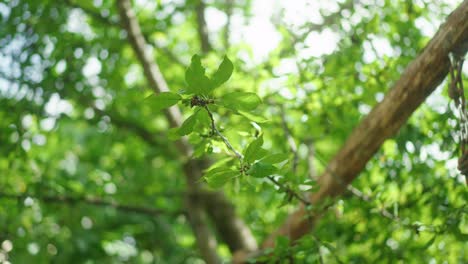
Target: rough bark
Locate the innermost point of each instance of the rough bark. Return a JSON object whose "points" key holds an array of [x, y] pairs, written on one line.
{"points": [[192, 169], [418, 81]]}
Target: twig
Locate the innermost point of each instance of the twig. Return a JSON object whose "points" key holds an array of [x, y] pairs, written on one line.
{"points": [[320, 242], [384, 212], [288, 190], [216, 131]]}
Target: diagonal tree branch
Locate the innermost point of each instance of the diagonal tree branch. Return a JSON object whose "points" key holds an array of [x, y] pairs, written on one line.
{"points": [[110, 22], [419, 80]]}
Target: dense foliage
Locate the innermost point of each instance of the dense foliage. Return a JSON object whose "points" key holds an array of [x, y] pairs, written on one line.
{"points": [[90, 167]]}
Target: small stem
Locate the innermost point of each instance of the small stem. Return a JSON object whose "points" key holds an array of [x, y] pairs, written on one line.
{"points": [[240, 157], [289, 190], [225, 140], [366, 198]]}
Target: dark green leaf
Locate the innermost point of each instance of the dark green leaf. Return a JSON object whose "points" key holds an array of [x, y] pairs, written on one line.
{"points": [[220, 163], [188, 125], [223, 73], [255, 118], [241, 101], [275, 158], [217, 177], [196, 79], [429, 243], [252, 151], [164, 100], [260, 170]]}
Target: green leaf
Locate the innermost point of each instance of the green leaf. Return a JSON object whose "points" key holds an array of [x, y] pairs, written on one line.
{"points": [[220, 163], [203, 119], [429, 243], [173, 134], [188, 125], [252, 151], [261, 170], [217, 177], [241, 101], [223, 73], [255, 118], [196, 79], [275, 158], [165, 99]]}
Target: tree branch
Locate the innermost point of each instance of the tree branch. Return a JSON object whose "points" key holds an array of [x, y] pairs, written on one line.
{"points": [[202, 27], [93, 201], [225, 140], [419, 80], [109, 22], [227, 29]]}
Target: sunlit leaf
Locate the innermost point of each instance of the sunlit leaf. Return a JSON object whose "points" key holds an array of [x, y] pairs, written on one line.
{"points": [[241, 101], [252, 151], [188, 125], [217, 177], [197, 81], [260, 170], [255, 118], [275, 158], [223, 73], [164, 100]]}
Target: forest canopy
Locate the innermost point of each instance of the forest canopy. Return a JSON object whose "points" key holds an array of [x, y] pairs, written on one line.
{"points": [[219, 131]]}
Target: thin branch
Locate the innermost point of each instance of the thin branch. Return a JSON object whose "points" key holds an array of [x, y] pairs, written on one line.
{"points": [[225, 140], [94, 201], [384, 212], [287, 189], [113, 23], [121, 122]]}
